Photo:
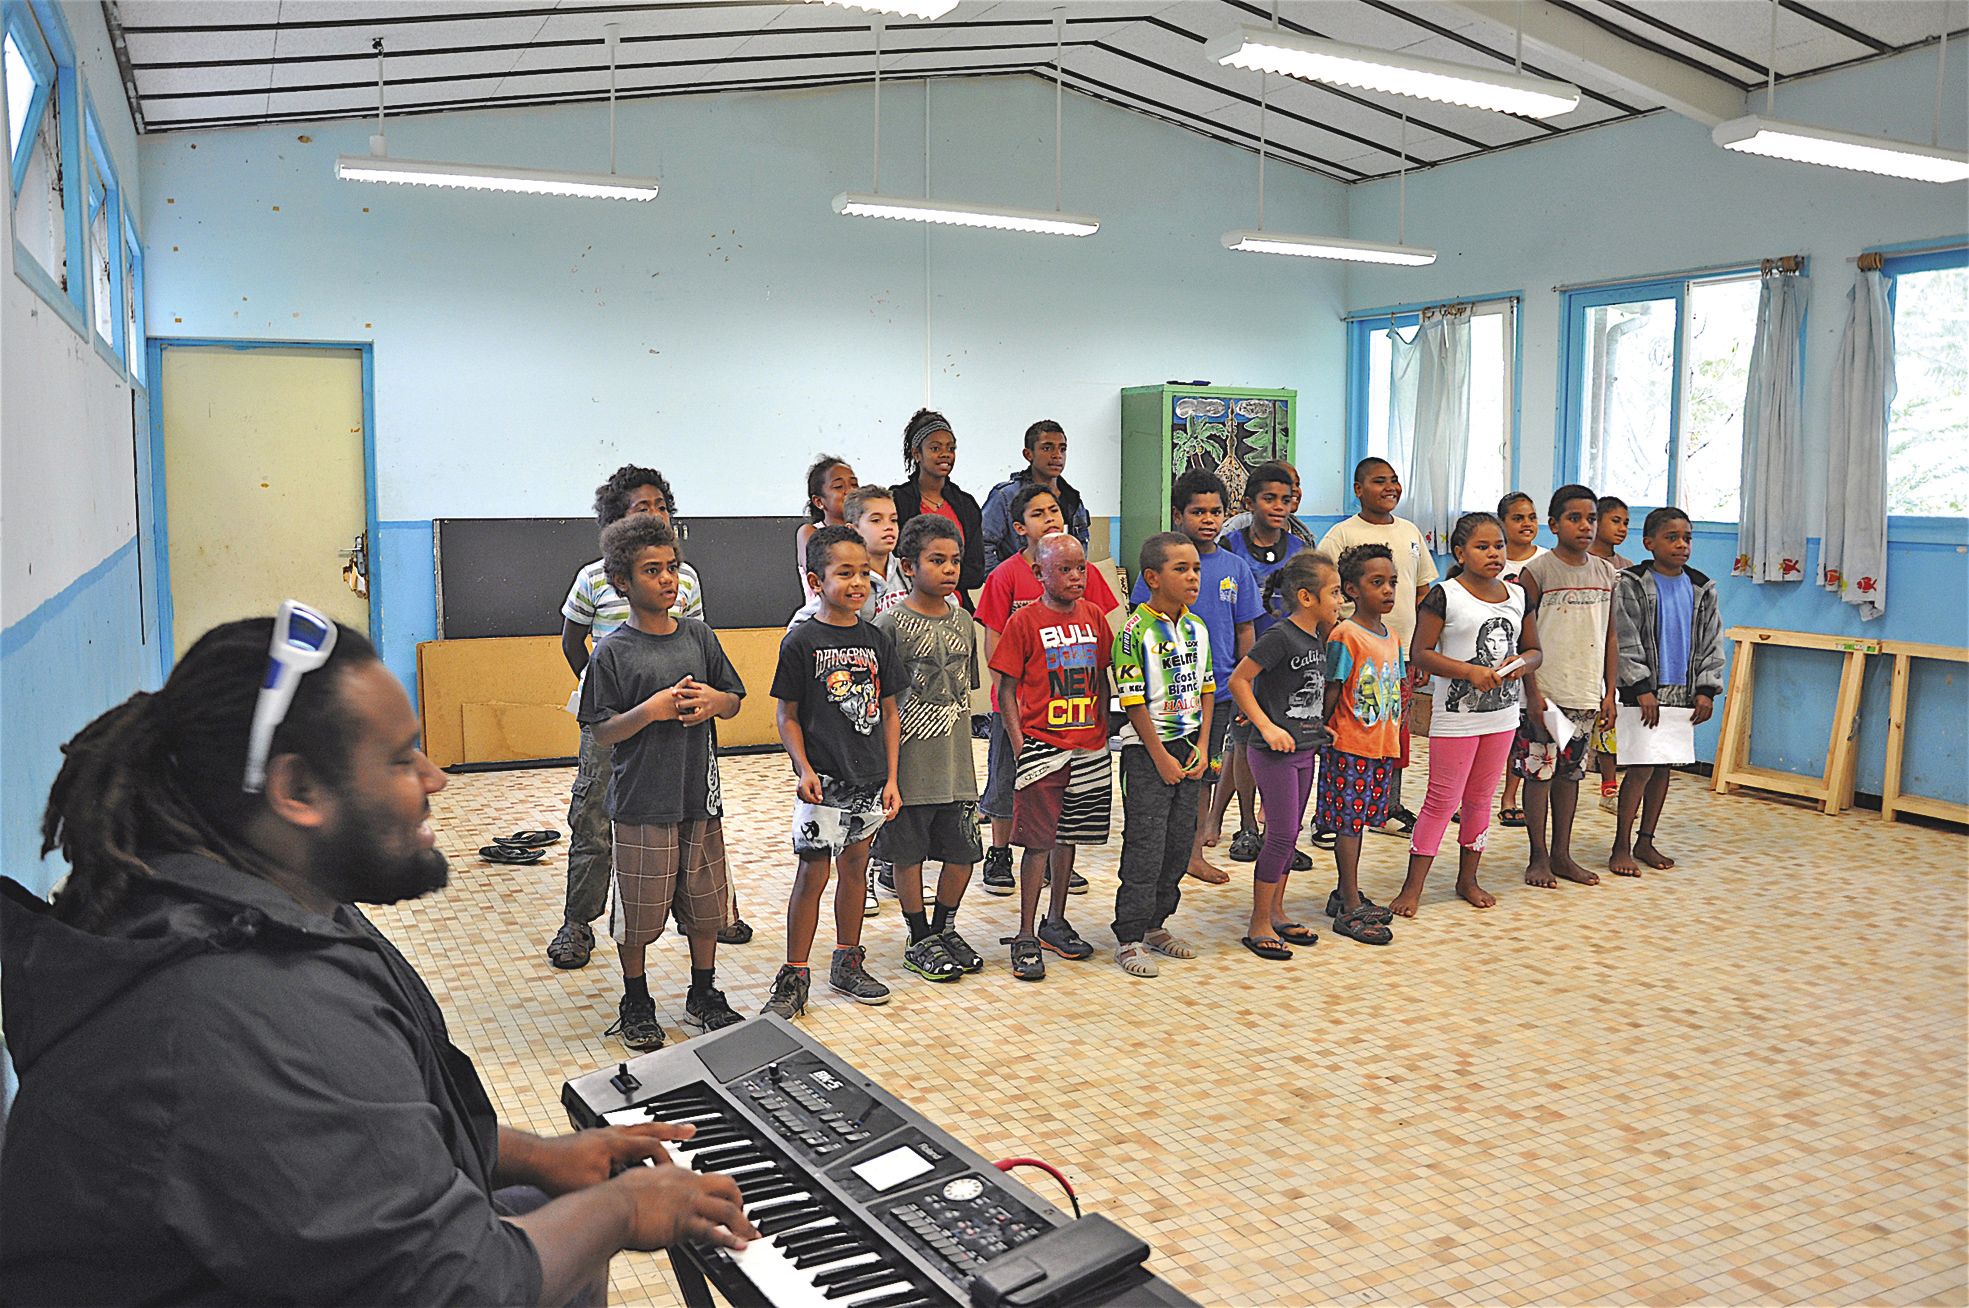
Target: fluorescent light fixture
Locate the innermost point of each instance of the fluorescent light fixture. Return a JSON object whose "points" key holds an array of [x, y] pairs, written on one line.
{"points": [[1776, 139], [1327, 247], [493, 177], [1317, 60], [923, 9], [1047, 222]]}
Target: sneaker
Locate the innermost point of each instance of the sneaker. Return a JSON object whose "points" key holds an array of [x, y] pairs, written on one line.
{"points": [[1076, 884], [1062, 939], [1028, 959], [929, 959], [871, 906], [572, 945], [738, 933], [1135, 959], [885, 876], [636, 1024], [1400, 822], [709, 1012], [1246, 844], [790, 989], [1301, 860], [960, 951], [998, 879], [1168, 944], [1610, 800], [848, 976]]}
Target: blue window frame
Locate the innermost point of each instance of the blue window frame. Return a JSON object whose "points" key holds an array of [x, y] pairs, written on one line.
{"points": [[105, 242], [1928, 425], [133, 301], [1652, 385], [1497, 369], [47, 208]]}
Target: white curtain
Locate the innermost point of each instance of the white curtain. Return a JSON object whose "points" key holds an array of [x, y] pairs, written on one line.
{"points": [[1404, 366], [1442, 427], [1853, 545], [1771, 530]]}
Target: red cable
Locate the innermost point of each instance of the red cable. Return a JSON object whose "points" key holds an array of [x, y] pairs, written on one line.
{"points": [[1007, 1164]]}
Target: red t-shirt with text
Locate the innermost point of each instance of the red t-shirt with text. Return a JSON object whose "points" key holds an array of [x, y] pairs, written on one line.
{"points": [[1061, 663]]}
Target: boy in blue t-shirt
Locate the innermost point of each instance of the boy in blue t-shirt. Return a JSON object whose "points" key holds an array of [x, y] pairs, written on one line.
{"points": [[1229, 605], [1265, 542]]}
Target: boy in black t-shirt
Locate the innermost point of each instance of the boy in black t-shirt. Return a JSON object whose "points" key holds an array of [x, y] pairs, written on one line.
{"points": [[653, 693], [837, 682]]}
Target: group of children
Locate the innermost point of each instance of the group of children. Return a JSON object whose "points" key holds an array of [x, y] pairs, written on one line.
{"points": [[1297, 665]]}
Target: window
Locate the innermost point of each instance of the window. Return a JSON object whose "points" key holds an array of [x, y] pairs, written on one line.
{"points": [[36, 102], [1493, 395], [1928, 425], [133, 300], [1655, 379], [105, 236]]}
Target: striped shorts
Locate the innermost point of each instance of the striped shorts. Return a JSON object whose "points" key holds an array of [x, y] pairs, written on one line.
{"points": [[1062, 796], [669, 870]]}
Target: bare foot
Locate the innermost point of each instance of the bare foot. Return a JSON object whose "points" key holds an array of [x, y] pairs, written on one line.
{"points": [[1213, 835], [1572, 871], [1538, 872], [1475, 895], [1621, 862], [1405, 904], [1204, 871], [1644, 849]]}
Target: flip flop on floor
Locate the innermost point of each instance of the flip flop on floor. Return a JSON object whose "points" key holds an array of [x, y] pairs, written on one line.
{"points": [[511, 854], [1293, 933], [1511, 817], [1267, 947], [528, 839], [1361, 925]]}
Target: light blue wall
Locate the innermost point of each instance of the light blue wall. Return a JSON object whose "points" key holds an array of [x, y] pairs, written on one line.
{"points": [[1656, 196], [735, 326]]}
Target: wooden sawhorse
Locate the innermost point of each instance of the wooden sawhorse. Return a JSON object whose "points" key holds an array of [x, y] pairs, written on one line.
{"points": [[1832, 790], [1893, 800]]}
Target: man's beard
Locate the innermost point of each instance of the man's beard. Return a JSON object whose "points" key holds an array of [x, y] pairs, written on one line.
{"points": [[365, 872]]}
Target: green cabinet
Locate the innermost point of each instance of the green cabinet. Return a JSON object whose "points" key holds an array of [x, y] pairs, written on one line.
{"points": [[1167, 430]]}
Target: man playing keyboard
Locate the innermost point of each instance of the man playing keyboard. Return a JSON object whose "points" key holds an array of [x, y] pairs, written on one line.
{"points": [[233, 1088]]}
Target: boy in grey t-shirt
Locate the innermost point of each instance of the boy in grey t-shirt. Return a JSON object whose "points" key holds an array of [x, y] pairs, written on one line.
{"points": [[935, 770], [1571, 591]]}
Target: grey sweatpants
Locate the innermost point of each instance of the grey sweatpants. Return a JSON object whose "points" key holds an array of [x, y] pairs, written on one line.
{"points": [[591, 844], [1158, 823]]}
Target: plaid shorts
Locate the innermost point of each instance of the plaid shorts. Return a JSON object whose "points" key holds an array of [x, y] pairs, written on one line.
{"points": [[1353, 792], [846, 815], [1542, 760], [1063, 797], [669, 870]]}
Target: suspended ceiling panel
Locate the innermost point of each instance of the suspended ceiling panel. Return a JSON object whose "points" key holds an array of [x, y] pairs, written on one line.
{"points": [[194, 64]]}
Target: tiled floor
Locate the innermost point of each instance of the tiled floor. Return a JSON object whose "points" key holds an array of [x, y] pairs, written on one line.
{"points": [[1740, 1081]]}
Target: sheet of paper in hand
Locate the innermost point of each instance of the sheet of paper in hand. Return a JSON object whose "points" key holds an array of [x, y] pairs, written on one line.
{"points": [[1673, 741]]}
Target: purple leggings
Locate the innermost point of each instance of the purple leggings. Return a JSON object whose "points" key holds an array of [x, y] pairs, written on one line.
{"points": [[1463, 770], [1285, 783]]}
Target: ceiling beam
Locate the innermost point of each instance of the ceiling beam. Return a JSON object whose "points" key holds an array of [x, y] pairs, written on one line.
{"points": [[1555, 33]]}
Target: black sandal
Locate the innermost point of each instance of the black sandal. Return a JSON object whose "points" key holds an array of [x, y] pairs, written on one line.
{"points": [[1360, 925], [1267, 947], [1294, 933], [1375, 912], [511, 854], [528, 839]]}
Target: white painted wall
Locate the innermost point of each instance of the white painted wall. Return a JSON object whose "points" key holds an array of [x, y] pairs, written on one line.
{"points": [[733, 327], [1656, 196], [67, 499]]}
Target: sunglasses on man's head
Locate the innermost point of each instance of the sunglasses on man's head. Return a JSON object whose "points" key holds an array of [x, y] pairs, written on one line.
{"points": [[302, 642]]}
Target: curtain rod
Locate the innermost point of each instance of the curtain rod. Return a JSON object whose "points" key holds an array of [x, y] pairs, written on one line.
{"points": [[1744, 266], [1925, 249]]}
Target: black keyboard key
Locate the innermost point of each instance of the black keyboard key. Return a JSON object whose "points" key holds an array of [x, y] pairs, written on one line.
{"points": [[855, 1285], [794, 1244], [906, 1298], [840, 1274], [791, 1219], [827, 1251]]}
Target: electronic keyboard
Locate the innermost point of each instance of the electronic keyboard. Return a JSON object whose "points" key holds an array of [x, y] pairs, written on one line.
{"points": [[861, 1202]]}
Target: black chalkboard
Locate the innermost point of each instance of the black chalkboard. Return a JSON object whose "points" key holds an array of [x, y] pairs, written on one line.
{"points": [[509, 576]]}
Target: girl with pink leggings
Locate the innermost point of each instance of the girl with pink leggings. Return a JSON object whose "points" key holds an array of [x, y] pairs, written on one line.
{"points": [[1477, 641], [1281, 687]]}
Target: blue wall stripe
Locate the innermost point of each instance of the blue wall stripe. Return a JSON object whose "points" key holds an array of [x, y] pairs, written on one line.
{"points": [[20, 633]]}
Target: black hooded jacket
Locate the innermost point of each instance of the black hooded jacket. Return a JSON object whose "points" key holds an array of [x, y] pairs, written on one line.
{"points": [[227, 1099]]}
